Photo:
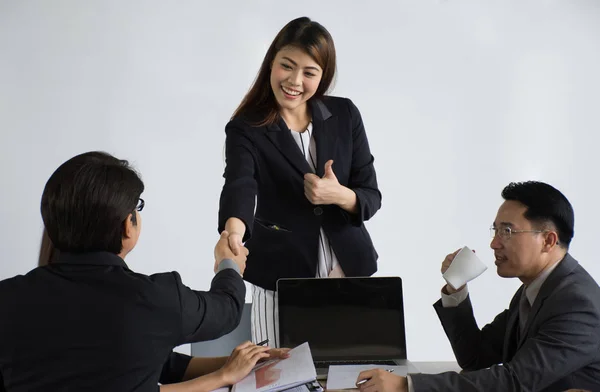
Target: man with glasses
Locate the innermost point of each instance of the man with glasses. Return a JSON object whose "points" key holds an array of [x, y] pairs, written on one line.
{"points": [[549, 337], [85, 321]]}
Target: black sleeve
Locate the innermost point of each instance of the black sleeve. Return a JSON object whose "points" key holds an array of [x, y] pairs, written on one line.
{"points": [[173, 369], [207, 315], [239, 191], [363, 179]]}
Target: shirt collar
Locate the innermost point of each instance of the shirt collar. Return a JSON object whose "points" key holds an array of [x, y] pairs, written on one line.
{"points": [[532, 290], [91, 258]]}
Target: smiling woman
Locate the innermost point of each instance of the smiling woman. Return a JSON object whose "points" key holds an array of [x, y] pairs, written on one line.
{"points": [[304, 158]]}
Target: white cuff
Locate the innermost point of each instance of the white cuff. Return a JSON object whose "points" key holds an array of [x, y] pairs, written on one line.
{"points": [[453, 300]]}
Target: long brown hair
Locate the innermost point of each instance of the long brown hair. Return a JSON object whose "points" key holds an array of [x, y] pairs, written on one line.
{"points": [[48, 253], [260, 103]]}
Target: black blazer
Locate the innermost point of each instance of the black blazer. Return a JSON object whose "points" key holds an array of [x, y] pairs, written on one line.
{"points": [[88, 323], [283, 235], [559, 350]]}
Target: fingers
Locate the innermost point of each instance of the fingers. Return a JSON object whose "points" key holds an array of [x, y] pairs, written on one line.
{"points": [[234, 244], [252, 354], [369, 386], [247, 346], [256, 356], [366, 374], [328, 172], [279, 353], [311, 178], [224, 235], [448, 260], [243, 345]]}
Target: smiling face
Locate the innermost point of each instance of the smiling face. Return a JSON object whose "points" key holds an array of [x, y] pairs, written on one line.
{"points": [[295, 77]]}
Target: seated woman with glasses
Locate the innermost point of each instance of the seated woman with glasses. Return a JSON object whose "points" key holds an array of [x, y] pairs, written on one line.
{"points": [[199, 373]]}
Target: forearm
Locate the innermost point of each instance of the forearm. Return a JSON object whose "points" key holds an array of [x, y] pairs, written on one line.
{"points": [[473, 348], [205, 383], [347, 200], [202, 366], [235, 225]]}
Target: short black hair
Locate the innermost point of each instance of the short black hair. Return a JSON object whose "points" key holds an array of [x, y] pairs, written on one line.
{"points": [[86, 201], [545, 204]]}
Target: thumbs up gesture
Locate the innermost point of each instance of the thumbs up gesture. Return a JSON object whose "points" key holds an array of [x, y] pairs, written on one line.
{"points": [[322, 190]]}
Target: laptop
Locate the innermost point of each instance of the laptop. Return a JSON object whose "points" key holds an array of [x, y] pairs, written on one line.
{"points": [[346, 321]]}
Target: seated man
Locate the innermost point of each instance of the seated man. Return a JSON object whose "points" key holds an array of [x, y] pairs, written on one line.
{"points": [[549, 337], [86, 321]]}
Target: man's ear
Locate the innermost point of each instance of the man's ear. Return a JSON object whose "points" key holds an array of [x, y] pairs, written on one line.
{"points": [[129, 224], [550, 240]]}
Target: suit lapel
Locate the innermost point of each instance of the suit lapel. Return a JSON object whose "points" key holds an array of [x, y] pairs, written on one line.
{"points": [[567, 264], [325, 133], [325, 136], [564, 268], [280, 136]]}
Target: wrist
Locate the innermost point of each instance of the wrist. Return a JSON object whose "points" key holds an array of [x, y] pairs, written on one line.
{"points": [[449, 290], [222, 378], [344, 196]]}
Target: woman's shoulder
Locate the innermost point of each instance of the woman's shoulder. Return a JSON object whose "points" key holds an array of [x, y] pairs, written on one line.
{"points": [[335, 102], [338, 105], [247, 121]]}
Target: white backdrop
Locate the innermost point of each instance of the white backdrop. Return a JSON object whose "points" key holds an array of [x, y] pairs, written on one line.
{"points": [[458, 97]]}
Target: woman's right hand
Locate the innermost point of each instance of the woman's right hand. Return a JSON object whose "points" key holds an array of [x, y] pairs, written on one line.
{"points": [[241, 361], [235, 243]]}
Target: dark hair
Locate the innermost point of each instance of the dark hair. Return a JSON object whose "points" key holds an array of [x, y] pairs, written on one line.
{"points": [[302, 33], [86, 201], [48, 253], [545, 204]]}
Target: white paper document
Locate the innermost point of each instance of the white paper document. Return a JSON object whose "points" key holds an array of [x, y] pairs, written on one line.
{"points": [[465, 267], [280, 374], [345, 376]]}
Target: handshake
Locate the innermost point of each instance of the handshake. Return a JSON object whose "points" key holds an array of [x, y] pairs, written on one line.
{"points": [[230, 246]]}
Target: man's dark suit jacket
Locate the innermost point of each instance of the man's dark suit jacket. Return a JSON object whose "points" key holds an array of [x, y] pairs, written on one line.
{"points": [[283, 235], [88, 323], [560, 348]]}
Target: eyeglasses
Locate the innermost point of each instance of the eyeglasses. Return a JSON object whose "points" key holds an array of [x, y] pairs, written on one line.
{"points": [[506, 232], [140, 205]]}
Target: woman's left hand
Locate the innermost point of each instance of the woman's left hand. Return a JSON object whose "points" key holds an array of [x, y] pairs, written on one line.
{"points": [[322, 190], [277, 353]]}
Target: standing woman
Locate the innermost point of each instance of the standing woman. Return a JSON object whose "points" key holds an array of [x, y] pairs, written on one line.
{"points": [[305, 159]]}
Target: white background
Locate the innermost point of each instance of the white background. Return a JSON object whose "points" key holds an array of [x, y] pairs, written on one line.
{"points": [[458, 98]]}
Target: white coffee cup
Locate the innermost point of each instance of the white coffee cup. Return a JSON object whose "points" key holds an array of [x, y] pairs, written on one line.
{"points": [[465, 267]]}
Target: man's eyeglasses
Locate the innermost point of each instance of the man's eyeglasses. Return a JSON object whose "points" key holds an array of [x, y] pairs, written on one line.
{"points": [[140, 205], [506, 232]]}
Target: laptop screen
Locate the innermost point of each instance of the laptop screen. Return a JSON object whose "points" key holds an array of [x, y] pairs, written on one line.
{"points": [[343, 318]]}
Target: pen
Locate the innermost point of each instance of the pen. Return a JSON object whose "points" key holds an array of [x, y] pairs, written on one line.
{"points": [[361, 382], [263, 343]]}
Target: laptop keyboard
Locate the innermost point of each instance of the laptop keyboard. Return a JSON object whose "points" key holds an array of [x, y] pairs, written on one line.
{"points": [[322, 364]]}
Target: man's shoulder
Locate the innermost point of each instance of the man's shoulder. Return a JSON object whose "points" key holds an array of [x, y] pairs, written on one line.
{"points": [[576, 288], [580, 279]]}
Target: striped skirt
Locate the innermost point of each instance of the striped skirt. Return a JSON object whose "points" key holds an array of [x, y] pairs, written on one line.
{"points": [[265, 310]]}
